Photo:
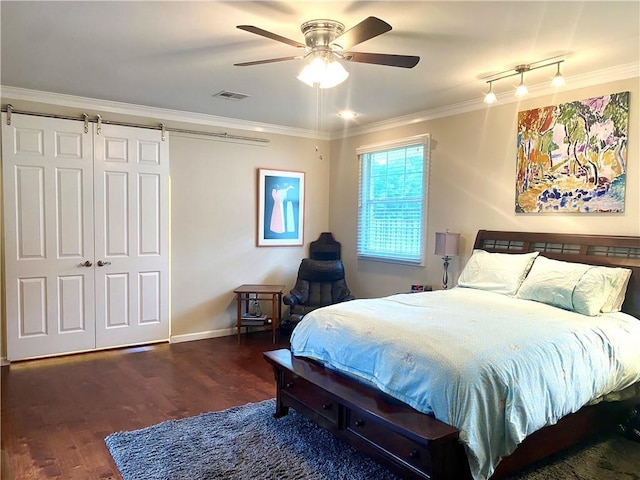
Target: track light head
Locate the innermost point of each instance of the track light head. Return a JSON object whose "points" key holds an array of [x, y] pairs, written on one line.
{"points": [[558, 79], [522, 89], [490, 97]]}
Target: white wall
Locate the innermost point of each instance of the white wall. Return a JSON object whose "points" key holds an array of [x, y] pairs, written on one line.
{"points": [[472, 187], [214, 211]]}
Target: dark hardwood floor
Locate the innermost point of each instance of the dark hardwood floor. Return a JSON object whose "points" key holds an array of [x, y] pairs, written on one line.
{"points": [[56, 412]]}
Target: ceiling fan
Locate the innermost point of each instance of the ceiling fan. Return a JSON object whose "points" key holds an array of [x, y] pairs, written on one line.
{"points": [[326, 41]]}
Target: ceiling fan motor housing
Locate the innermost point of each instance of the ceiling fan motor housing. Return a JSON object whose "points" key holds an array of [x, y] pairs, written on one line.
{"points": [[320, 33]]}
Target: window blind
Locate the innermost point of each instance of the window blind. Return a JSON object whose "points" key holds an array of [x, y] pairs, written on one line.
{"points": [[392, 200]]}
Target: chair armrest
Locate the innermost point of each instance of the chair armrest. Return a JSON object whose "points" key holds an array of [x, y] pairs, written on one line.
{"points": [[290, 299]]}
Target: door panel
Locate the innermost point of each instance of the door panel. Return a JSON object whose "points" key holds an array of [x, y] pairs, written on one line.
{"points": [[116, 301], [27, 141], [115, 226], [116, 150], [69, 212], [132, 203], [148, 152], [32, 315], [48, 210], [68, 145], [71, 313], [150, 288], [149, 200], [30, 215]]}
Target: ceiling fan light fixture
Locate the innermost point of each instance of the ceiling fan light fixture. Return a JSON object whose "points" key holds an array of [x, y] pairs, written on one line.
{"points": [[323, 73]]}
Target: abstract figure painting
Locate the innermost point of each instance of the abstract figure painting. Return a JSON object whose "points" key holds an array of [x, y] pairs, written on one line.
{"points": [[280, 208], [572, 157]]}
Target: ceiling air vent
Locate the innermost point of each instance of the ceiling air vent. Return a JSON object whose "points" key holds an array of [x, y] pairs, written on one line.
{"points": [[227, 95]]}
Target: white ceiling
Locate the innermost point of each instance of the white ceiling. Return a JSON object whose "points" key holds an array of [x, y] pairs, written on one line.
{"points": [[176, 55]]}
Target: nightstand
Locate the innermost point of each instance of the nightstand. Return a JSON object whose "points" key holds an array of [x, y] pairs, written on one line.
{"points": [[247, 293]]}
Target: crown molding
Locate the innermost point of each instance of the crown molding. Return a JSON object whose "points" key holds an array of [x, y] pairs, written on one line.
{"points": [[621, 72], [163, 114], [606, 75]]}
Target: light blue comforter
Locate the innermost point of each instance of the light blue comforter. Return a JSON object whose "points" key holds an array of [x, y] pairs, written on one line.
{"points": [[496, 367]]}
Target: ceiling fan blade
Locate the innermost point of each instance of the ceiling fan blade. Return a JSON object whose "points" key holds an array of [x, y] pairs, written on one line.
{"points": [[272, 36], [260, 62], [368, 28], [404, 61]]}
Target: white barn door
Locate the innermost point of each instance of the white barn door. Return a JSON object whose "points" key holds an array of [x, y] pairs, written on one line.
{"points": [[132, 236], [86, 236], [48, 212]]}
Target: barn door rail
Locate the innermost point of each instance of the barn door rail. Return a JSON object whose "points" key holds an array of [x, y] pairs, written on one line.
{"points": [[100, 121]]}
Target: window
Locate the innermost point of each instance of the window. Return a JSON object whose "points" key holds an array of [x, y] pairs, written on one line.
{"points": [[393, 200]]}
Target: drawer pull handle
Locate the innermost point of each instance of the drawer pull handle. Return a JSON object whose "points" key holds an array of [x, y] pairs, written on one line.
{"points": [[414, 454], [359, 423], [326, 406], [288, 385]]}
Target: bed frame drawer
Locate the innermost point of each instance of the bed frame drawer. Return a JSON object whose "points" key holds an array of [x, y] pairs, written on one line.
{"points": [[389, 442], [302, 392]]}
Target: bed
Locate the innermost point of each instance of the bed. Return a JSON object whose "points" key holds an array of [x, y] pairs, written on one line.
{"points": [[437, 422]]}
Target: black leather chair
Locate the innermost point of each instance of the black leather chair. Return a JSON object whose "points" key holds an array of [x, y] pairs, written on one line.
{"points": [[319, 283]]}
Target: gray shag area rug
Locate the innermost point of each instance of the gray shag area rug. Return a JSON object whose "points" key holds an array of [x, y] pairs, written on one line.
{"points": [[247, 442]]}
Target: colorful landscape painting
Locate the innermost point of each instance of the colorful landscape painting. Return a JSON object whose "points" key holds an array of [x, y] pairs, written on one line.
{"points": [[572, 157]]}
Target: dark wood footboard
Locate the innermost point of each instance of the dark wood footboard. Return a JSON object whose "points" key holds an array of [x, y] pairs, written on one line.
{"points": [[408, 442]]}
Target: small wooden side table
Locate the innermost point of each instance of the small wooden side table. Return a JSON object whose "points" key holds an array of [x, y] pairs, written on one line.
{"points": [[247, 292]]}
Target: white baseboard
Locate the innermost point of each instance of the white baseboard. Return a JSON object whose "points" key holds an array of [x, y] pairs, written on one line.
{"points": [[189, 337]]}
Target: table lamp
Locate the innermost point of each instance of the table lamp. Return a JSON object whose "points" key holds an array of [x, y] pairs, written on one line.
{"points": [[447, 246]]}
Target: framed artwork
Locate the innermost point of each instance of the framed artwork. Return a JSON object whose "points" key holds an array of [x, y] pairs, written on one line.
{"points": [[572, 157], [280, 208]]}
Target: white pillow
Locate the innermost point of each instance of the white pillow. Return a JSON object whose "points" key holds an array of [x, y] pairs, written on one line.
{"points": [[592, 291], [586, 289], [496, 272], [619, 279]]}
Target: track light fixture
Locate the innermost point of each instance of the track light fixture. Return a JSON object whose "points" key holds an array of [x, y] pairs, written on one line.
{"points": [[521, 90]]}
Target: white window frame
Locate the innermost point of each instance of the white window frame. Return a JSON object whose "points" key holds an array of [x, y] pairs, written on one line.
{"points": [[362, 253]]}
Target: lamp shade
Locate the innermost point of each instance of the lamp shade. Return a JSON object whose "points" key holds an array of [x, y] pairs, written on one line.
{"points": [[447, 244]]}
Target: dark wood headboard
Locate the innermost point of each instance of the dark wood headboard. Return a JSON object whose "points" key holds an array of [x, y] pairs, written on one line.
{"points": [[606, 250]]}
